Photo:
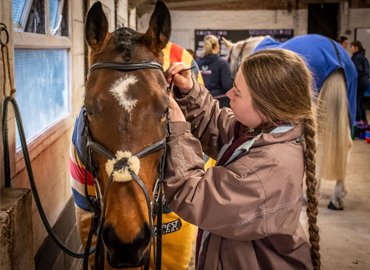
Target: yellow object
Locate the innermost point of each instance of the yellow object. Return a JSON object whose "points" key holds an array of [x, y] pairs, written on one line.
{"points": [[178, 237], [210, 163]]}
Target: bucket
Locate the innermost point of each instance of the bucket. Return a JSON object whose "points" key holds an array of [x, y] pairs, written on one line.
{"points": [[362, 130]]}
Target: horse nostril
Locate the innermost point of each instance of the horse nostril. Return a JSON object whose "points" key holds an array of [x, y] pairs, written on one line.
{"points": [[121, 254]]}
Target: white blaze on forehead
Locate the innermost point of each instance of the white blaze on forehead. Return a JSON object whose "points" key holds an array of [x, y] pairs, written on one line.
{"points": [[120, 92]]}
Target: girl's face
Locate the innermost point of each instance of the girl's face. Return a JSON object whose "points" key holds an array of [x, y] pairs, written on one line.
{"points": [[353, 49], [241, 103]]}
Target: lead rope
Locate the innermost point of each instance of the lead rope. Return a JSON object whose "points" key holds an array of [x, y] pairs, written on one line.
{"points": [[22, 136], [4, 47]]}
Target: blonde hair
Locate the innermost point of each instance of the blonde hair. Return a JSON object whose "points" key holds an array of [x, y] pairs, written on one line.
{"points": [[280, 84], [210, 43]]}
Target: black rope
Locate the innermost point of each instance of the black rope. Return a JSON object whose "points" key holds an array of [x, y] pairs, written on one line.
{"points": [[30, 173]]}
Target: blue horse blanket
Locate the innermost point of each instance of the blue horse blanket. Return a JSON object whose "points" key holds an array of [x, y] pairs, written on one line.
{"points": [[321, 57]]}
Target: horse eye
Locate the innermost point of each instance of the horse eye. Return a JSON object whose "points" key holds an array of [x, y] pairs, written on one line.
{"points": [[163, 116], [89, 112]]}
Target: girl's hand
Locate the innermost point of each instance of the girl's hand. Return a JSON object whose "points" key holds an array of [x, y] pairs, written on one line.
{"points": [[182, 79], [176, 114]]}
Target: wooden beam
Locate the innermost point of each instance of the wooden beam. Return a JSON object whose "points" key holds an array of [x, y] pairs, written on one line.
{"points": [[137, 3], [149, 6], [144, 9], [199, 3]]}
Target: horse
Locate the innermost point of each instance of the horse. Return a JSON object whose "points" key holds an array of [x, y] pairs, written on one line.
{"points": [[122, 128], [334, 93]]}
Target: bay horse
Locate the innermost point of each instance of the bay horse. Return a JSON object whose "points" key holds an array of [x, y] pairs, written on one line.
{"points": [[335, 93], [125, 121]]}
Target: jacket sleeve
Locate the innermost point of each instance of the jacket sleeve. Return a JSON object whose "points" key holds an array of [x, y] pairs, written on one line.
{"points": [[225, 73], [220, 200], [210, 124]]}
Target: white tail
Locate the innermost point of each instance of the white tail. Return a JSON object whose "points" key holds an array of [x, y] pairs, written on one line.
{"points": [[333, 128]]}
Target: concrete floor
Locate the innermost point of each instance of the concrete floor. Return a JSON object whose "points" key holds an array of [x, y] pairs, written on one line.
{"points": [[345, 235]]}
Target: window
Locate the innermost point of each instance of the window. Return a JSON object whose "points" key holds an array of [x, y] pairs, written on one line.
{"points": [[53, 11], [42, 63], [18, 7], [29, 16], [41, 80], [21, 9], [58, 17]]}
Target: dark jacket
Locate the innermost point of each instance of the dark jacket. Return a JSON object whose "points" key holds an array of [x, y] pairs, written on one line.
{"points": [[216, 74], [362, 66]]}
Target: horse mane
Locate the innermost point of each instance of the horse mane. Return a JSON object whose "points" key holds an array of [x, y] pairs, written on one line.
{"points": [[250, 39]]}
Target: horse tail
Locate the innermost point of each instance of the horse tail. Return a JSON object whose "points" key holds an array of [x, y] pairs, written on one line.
{"points": [[333, 128]]}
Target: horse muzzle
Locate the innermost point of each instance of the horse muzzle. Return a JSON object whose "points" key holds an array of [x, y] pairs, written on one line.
{"points": [[124, 255]]}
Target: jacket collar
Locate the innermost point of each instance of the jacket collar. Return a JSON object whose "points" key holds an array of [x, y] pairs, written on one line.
{"points": [[356, 53], [278, 135], [294, 133]]}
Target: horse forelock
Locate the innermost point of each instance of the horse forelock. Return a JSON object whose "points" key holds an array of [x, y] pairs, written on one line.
{"points": [[125, 39]]}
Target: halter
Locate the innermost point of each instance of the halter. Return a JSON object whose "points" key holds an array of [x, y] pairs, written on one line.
{"points": [[98, 211]]}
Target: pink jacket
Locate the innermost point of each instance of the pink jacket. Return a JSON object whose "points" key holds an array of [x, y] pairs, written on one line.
{"points": [[251, 206]]}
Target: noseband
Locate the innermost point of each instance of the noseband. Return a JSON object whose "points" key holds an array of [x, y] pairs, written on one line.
{"points": [[98, 210]]}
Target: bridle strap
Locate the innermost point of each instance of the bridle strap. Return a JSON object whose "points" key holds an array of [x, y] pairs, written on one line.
{"points": [[99, 149], [143, 188], [231, 52], [240, 56], [146, 151], [152, 149], [126, 66]]}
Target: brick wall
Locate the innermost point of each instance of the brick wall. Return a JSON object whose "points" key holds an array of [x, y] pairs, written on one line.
{"points": [[185, 22]]}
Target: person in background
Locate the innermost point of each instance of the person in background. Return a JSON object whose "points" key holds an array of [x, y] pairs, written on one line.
{"points": [[192, 53], [343, 41], [362, 67], [215, 71]]}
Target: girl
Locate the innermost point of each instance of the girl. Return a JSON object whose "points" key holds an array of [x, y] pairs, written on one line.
{"points": [[215, 71], [248, 204]]}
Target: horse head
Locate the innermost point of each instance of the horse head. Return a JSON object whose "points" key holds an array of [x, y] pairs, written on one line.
{"points": [[239, 50], [126, 111]]}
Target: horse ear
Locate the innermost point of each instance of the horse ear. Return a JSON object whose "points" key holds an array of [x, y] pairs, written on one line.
{"points": [[96, 27], [228, 44], [158, 34]]}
